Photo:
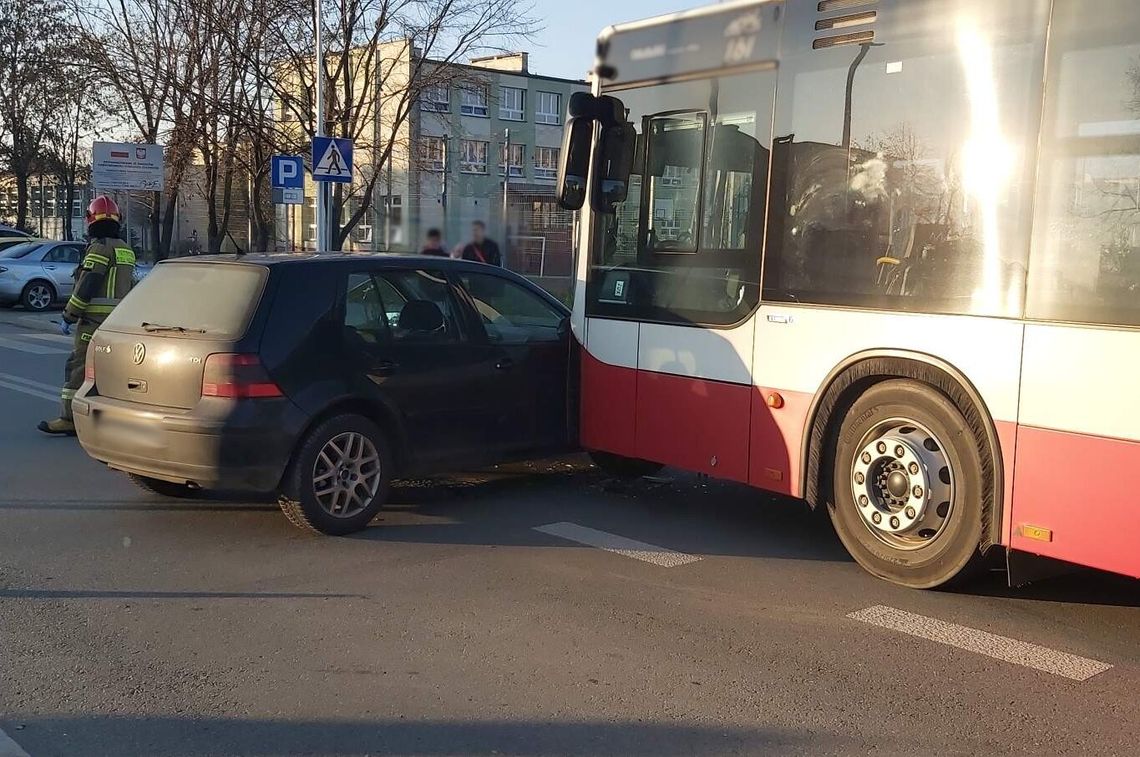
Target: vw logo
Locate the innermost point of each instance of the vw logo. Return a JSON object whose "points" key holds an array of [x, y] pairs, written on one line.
{"points": [[140, 353]]}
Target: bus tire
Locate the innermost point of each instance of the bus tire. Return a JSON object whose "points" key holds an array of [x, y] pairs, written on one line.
{"points": [[624, 467], [907, 486]]}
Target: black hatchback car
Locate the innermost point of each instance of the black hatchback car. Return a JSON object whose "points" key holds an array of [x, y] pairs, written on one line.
{"points": [[321, 377]]}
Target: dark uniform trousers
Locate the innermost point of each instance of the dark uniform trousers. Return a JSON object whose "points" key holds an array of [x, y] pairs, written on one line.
{"points": [[106, 275]]}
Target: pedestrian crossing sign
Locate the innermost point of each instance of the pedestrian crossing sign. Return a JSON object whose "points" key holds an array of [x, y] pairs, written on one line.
{"points": [[332, 159]]}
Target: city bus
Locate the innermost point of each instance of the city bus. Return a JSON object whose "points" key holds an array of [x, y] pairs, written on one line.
{"points": [[879, 255]]}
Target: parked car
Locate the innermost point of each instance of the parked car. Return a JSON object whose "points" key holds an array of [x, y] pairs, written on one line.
{"points": [[323, 377], [38, 273]]}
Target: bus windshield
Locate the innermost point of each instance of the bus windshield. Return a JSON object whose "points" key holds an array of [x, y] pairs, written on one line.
{"points": [[686, 243]]}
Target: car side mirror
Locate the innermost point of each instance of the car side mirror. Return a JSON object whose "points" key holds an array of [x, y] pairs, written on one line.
{"points": [[575, 165]]}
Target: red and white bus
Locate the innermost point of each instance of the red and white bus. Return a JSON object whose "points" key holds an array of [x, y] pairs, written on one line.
{"points": [[882, 255]]}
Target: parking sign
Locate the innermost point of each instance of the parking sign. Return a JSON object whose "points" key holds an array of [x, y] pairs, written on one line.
{"points": [[288, 171]]}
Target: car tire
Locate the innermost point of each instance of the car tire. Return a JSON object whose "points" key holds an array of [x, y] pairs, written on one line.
{"points": [[164, 488], [907, 486], [339, 478], [37, 296], [624, 467]]}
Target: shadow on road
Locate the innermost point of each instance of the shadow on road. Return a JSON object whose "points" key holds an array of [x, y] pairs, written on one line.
{"points": [[1079, 587], [189, 737]]}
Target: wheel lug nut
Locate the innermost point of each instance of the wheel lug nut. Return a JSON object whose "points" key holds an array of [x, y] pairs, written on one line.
{"points": [[913, 468], [882, 447], [909, 513], [899, 451], [894, 522], [859, 478], [918, 491], [866, 457], [863, 500], [876, 518]]}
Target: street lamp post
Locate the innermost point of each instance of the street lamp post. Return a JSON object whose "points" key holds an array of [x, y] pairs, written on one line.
{"points": [[322, 209]]}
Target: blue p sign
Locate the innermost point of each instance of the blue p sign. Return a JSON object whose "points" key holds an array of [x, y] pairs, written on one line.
{"points": [[288, 171]]}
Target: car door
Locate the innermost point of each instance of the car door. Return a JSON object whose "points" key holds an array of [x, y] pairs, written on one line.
{"points": [[528, 338], [410, 349], [59, 262]]}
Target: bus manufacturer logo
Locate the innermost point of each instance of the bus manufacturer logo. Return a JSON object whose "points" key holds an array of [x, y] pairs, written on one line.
{"points": [[140, 353]]}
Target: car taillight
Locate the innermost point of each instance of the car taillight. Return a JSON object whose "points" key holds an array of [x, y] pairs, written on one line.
{"points": [[238, 377], [89, 366]]}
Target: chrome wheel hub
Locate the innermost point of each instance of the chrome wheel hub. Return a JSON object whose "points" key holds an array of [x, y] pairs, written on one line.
{"points": [[346, 475], [902, 483], [39, 297]]}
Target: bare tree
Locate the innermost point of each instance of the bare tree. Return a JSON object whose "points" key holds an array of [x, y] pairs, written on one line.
{"points": [[141, 49], [34, 63], [381, 55], [68, 140]]}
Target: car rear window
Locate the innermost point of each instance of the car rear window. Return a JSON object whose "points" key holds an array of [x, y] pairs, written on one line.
{"points": [[217, 299]]}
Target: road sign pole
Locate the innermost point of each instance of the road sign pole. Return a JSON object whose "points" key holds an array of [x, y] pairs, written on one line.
{"points": [[322, 218]]}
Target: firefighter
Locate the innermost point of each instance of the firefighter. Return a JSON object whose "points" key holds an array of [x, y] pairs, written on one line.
{"points": [[104, 277]]}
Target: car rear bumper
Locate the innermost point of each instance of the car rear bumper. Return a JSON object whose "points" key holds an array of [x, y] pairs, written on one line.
{"points": [[236, 445]]}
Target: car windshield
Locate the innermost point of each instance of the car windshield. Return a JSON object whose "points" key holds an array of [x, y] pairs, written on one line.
{"points": [[192, 298], [20, 250]]}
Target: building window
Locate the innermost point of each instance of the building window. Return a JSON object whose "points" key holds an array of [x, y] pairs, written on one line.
{"points": [[548, 108], [473, 156], [433, 153], [512, 104], [435, 99], [473, 101], [546, 162], [518, 155]]}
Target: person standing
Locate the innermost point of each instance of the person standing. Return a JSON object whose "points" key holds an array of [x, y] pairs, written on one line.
{"points": [[105, 276], [481, 249], [433, 244]]}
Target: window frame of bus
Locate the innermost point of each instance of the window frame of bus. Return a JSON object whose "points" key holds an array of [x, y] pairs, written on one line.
{"points": [[597, 307]]}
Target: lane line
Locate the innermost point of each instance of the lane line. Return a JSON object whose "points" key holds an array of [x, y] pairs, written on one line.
{"points": [[29, 391], [49, 388], [34, 349], [49, 337], [638, 550], [1003, 648], [9, 748]]}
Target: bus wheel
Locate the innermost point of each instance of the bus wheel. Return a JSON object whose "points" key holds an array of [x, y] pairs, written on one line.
{"points": [[624, 467], [908, 486]]}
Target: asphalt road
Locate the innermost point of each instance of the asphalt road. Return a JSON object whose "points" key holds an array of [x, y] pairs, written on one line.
{"points": [[133, 626]]}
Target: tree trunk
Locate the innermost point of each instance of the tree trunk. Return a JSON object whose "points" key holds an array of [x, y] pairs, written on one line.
{"points": [[156, 226], [21, 199], [168, 215], [69, 193]]}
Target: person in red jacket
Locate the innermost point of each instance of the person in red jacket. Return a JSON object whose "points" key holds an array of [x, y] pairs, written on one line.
{"points": [[104, 277]]}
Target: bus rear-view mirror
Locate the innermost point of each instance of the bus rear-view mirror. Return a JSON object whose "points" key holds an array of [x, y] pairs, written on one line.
{"points": [[575, 165], [613, 163]]}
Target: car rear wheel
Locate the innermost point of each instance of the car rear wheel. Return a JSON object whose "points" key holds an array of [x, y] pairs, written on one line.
{"points": [[164, 488], [37, 296], [339, 478], [908, 486], [624, 467]]}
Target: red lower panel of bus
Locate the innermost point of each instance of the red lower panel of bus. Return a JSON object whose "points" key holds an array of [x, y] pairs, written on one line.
{"points": [[776, 437], [694, 424], [1075, 494], [609, 407]]}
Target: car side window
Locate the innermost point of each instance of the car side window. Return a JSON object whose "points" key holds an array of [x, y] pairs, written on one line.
{"points": [[56, 255], [419, 307], [511, 314], [364, 312], [74, 254]]}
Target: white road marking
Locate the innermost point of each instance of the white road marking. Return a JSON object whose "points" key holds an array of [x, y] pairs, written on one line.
{"points": [[638, 550], [34, 349], [49, 337], [32, 391], [981, 642], [13, 378], [9, 748]]}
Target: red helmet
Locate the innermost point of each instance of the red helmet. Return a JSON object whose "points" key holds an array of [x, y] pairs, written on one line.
{"points": [[103, 208]]}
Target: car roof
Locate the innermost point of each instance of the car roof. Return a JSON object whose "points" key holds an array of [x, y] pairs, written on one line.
{"points": [[348, 259]]}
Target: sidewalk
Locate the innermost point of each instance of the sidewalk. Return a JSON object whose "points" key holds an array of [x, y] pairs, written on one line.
{"points": [[31, 321]]}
